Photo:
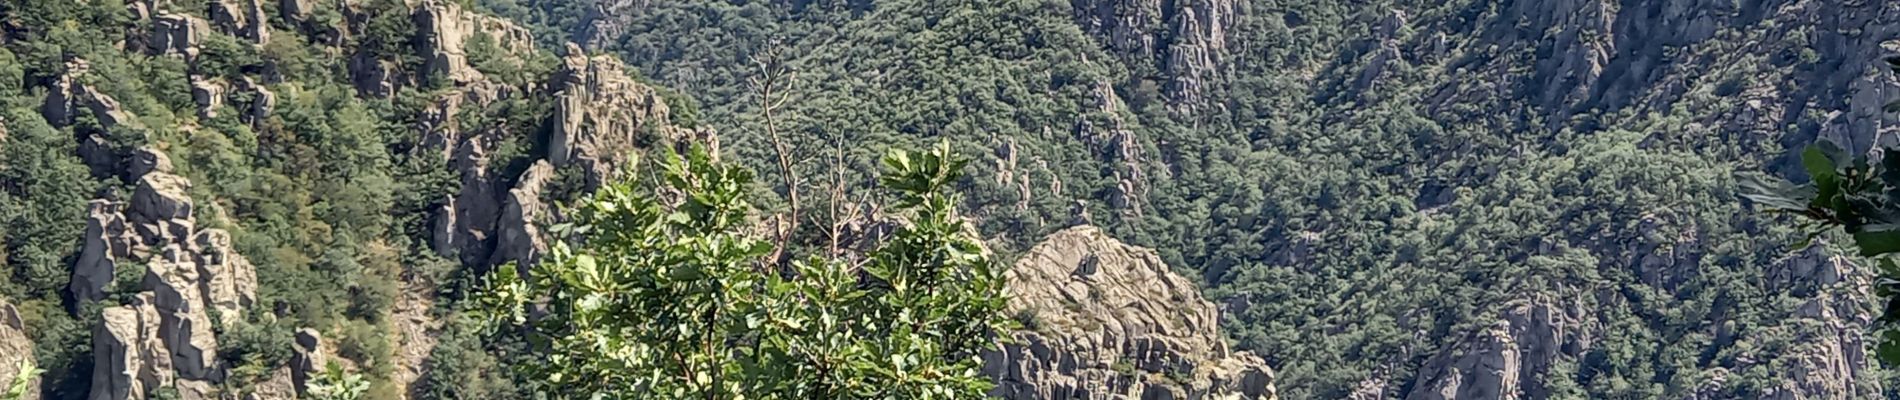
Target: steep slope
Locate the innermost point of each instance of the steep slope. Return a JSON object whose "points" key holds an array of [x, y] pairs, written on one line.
{"points": [[186, 184], [1389, 199], [1468, 199]]}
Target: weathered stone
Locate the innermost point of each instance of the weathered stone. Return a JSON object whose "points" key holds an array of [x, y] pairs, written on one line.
{"points": [[209, 95], [100, 156], [184, 324], [191, 279], [1487, 369], [227, 279], [1107, 320], [161, 197], [518, 233], [475, 209], [105, 109], [260, 101], [598, 112], [294, 10], [59, 106], [1505, 360], [15, 347], [1185, 40], [256, 29], [372, 77], [147, 160], [129, 358], [176, 34], [107, 244], [307, 359], [446, 28], [279, 386]]}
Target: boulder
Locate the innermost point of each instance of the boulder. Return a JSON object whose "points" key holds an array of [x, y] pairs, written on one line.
{"points": [[208, 95], [99, 154], [260, 100], [147, 160], [161, 197], [307, 359], [372, 77], [176, 34], [1104, 319], [105, 109]]}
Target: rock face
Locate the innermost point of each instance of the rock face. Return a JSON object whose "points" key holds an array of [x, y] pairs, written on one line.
{"points": [[1185, 40], [67, 97], [107, 241], [519, 238], [192, 279], [445, 29], [58, 107], [372, 77], [1504, 360], [176, 34], [15, 347], [1638, 57], [1827, 360], [307, 359], [208, 95], [133, 358], [1107, 320], [241, 18], [598, 112]]}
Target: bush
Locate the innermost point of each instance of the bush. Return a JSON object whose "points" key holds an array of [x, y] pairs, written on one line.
{"points": [[670, 293]]}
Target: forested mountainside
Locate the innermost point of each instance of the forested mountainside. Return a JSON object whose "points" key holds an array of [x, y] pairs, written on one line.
{"points": [[1464, 199]]}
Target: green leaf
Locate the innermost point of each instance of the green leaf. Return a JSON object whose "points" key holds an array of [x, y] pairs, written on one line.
{"points": [[1817, 162], [1877, 242], [1775, 194]]}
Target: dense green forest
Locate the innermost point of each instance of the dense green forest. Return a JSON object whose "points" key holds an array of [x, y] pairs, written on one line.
{"points": [[1382, 197], [1365, 185]]}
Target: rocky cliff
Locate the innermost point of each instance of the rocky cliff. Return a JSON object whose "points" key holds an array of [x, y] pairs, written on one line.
{"points": [[1827, 360], [191, 279], [1103, 319]]}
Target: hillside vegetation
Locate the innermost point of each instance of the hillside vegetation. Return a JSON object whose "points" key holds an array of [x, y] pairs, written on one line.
{"points": [[1467, 199]]}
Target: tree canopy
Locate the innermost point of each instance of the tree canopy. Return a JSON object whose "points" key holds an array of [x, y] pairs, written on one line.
{"points": [[679, 299]]}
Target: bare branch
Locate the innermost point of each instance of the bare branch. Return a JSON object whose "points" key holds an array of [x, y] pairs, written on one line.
{"points": [[772, 85]]}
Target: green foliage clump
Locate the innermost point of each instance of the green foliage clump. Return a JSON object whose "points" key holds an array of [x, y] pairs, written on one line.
{"points": [[336, 384], [22, 383], [679, 302]]}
